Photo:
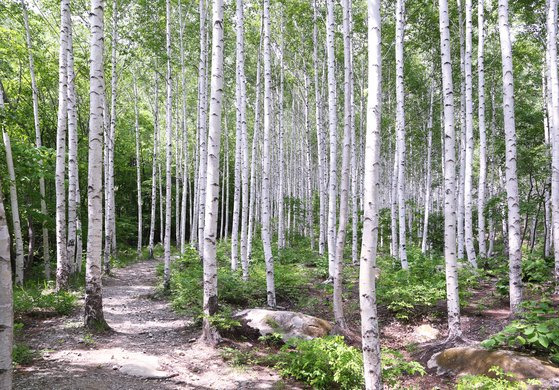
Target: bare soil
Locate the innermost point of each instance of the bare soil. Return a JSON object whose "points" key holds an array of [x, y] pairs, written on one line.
{"points": [[149, 347]]}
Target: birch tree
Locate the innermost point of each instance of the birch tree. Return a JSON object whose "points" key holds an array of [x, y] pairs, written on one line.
{"points": [[15, 211], [553, 91], [401, 132], [468, 223], [320, 138], [154, 166], [345, 173], [202, 104], [93, 316], [73, 201], [281, 165], [244, 141], [38, 139], [333, 120], [265, 197], [6, 302], [428, 167], [451, 266], [481, 124], [209, 333], [371, 179], [513, 201], [62, 266], [138, 166], [169, 152]]}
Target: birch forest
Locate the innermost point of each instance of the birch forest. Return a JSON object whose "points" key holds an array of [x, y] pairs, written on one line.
{"points": [[279, 194]]}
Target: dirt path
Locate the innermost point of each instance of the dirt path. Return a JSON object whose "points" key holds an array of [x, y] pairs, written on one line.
{"points": [[151, 347]]}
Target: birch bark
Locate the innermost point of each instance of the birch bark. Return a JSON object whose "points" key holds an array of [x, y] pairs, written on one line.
{"points": [[169, 152], [368, 268], [265, 217], [6, 303], [62, 265], [513, 201], [482, 135], [209, 333], [93, 316], [451, 269]]}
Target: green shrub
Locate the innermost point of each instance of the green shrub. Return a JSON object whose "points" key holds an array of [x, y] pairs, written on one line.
{"points": [[326, 363], [22, 354], [536, 330], [34, 297], [501, 381]]}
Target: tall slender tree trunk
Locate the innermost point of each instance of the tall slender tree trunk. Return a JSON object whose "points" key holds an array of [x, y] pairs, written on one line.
{"points": [[138, 166], [482, 135], [320, 139], [169, 152], [184, 140], [281, 165], [62, 265], [468, 178], [371, 179], [15, 211], [253, 188], [513, 201], [244, 140], [202, 106], [73, 202], [462, 168], [345, 174], [394, 207], [553, 87], [154, 167], [93, 316], [38, 141], [265, 217], [333, 121], [401, 131], [209, 333], [6, 302], [428, 168], [451, 269]]}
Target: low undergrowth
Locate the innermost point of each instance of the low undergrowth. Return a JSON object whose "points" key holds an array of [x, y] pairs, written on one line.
{"points": [[499, 380], [37, 297]]}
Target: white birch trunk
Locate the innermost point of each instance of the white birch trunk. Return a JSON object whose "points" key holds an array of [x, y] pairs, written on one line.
{"points": [[6, 303], [333, 121], [401, 132], [468, 173], [202, 105], [138, 167], [265, 218], [15, 211], [73, 202], [513, 201], [154, 168], [281, 165], [482, 135], [244, 141], [428, 167], [169, 152], [554, 127], [209, 333], [345, 174], [462, 168], [371, 179], [394, 207], [451, 269], [62, 265], [320, 139], [93, 316]]}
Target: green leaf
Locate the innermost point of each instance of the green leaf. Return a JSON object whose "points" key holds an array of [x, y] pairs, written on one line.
{"points": [[543, 341]]}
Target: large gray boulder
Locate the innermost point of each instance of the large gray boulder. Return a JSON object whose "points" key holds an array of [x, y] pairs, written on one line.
{"points": [[288, 324], [475, 361]]}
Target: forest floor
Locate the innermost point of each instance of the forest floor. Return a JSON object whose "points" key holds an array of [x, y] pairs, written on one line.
{"points": [[149, 347]]}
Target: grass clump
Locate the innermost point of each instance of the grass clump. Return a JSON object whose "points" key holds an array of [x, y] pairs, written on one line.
{"points": [[499, 380], [42, 298]]}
